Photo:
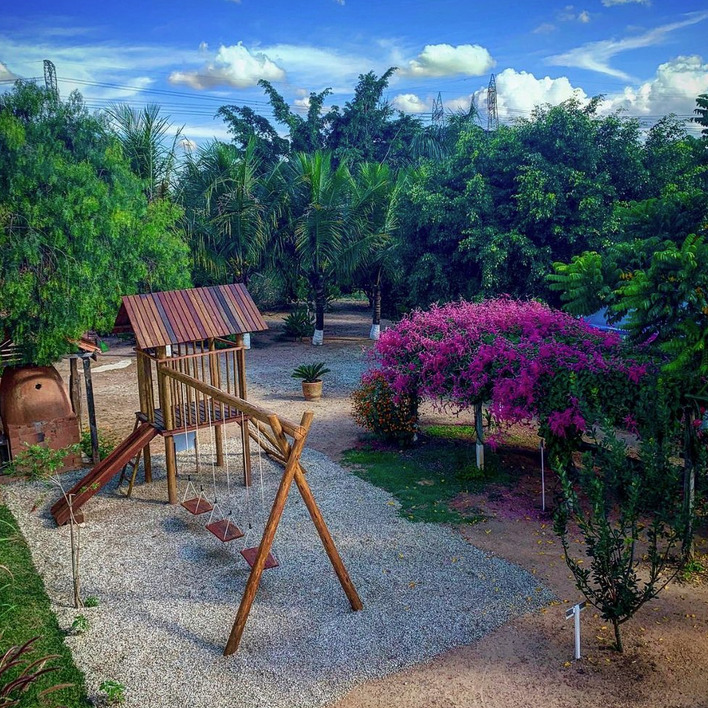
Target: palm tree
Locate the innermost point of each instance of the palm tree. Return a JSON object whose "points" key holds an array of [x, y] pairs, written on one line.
{"points": [[144, 136], [228, 211], [323, 226], [376, 193]]}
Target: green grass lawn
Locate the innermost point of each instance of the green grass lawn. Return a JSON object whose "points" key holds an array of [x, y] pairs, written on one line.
{"points": [[25, 613], [427, 477]]}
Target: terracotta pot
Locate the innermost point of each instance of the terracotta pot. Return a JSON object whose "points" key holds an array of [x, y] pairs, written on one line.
{"points": [[312, 390]]}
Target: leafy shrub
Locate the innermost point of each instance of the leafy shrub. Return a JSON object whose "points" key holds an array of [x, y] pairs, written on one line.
{"points": [[91, 601], [107, 442], [115, 692], [379, 409], [299, 323], [80, 625], [310, 373], [38, 461], [620, 504]]}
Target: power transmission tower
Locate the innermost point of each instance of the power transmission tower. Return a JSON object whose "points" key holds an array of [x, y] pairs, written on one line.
{"points": [[492, 114], [50, 77], [438, 117]]}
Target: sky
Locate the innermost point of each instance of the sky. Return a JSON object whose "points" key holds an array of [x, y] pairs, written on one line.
{"points": [[647, 57]]}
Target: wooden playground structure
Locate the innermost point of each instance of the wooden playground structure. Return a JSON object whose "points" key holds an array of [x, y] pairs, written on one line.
{"points": [[182, 345]]}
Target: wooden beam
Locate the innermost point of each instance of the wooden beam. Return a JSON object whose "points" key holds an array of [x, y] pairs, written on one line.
{"points": [[169, 418], [91, 406], [276, 512], [262, 414], [215, 379], [240, 388], [75, 388], [318, 520], [334, 557]]}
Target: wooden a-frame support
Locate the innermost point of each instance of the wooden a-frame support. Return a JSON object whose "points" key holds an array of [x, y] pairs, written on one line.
{"points": [[293, 471]]}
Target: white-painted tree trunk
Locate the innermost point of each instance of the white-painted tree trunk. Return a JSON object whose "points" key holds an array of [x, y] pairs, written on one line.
{"points": [[247, 340], [318, 337], [375, 332]]}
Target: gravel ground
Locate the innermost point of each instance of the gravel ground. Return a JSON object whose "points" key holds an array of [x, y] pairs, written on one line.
{"points": [[169, 592]]}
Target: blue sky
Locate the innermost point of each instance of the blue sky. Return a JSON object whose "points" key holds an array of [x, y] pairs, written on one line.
{"points": [[191, 57]]}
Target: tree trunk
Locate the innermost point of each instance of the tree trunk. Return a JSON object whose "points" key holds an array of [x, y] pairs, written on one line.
{"points": [[479, 428], [689, 481], [618, 637], [320, 302], [375, 332], [377, 304]]}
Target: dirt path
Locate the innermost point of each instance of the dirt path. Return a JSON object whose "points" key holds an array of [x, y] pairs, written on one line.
{"points": [[525, 663]]}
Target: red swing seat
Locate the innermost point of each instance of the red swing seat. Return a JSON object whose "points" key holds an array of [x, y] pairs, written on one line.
{"points": [[250, 554], [225, 530], [198, 505]]}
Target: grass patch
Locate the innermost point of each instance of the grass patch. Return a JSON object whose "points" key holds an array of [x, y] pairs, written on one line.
{"points": [[426, 478], [25, 613]]}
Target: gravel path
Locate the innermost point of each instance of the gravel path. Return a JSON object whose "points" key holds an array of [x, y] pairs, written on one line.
{"points": [[169, 592]]}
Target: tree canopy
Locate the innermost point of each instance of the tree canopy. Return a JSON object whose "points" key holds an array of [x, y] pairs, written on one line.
{"points": [[76, 228]]}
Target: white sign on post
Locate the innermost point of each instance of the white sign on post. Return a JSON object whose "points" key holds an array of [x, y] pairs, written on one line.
{"points": [[574, 611]]}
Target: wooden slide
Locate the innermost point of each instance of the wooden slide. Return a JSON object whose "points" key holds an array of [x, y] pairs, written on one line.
{"points": [[103, 472]]}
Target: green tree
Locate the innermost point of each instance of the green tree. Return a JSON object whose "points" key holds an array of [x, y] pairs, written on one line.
{"points": [[144, 136], [247, 126], [228, 211], [322, 225], [76, 229], [701, 112], [374, 204]]}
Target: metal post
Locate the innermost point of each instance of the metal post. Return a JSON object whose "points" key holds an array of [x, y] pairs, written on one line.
{"points": [[543, 480]]}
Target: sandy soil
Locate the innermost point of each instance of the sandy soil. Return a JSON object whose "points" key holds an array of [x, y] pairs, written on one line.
{"points": [[527, 662]]}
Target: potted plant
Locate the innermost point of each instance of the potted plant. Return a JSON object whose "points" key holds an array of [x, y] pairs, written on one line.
{"points": [[311, 375]]}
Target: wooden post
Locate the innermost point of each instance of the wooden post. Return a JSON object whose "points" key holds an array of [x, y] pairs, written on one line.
{"points": [[145, 364], [316, 516], [144, 409], [75, 388], [267, 541], [90, 405], [326, 538], [240, 383], [215, 379], [165, 394]]}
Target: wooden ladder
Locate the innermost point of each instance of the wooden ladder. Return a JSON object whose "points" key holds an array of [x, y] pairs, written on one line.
{"points": [[131, 465]]}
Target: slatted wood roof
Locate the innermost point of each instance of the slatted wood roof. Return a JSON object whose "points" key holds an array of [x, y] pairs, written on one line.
{"points": [[180, 316]]}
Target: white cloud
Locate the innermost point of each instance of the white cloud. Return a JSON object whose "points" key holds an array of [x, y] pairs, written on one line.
{"points": [[672, 90], [545, 28], [233, 66], [303, 102], [188, 145], [596, 56], [410, 103], [445, 60], [519, 92], [610, 3], [584, 17], [322, 67]]}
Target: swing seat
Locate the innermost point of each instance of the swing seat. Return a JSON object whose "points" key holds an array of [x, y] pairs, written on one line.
{"points": [[196, 506], [225, 530], [250, 554]]}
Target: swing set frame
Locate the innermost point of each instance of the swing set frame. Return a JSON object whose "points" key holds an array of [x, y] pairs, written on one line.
{"points": [[275, 429]]}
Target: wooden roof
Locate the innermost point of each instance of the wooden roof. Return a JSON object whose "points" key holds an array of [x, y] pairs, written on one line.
{"points": [[180, 316]]}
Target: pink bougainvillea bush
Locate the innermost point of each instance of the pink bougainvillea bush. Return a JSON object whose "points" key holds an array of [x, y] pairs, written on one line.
{"points": [[524, 360]]}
